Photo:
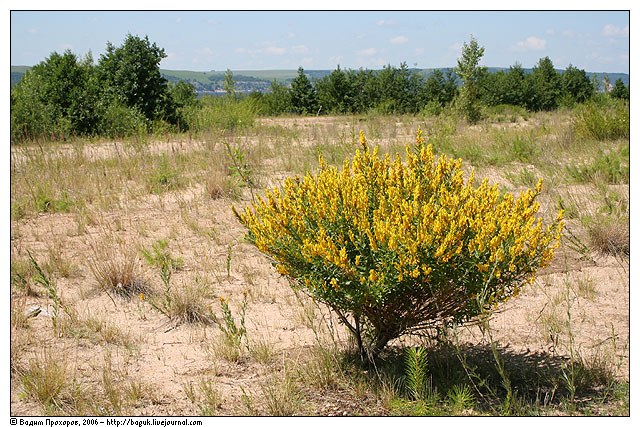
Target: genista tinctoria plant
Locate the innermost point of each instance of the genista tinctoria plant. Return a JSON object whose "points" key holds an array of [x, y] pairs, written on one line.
{"points": [[397, 248]]}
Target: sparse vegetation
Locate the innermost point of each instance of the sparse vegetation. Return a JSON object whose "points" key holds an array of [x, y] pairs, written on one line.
{"points": [[100, 219]]}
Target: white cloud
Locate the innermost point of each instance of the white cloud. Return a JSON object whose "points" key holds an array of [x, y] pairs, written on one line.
{"points": [[240, 50], [275, 50], [334, 60], [550, 31], [611, 30], [399, 39], [300, 49], [179, 20], [307, 62], [367, 52], [420, 50], [290, 35], [456, 46], [32, 31], [531, 43], [568, 33], [383, 23], [600, 58]]}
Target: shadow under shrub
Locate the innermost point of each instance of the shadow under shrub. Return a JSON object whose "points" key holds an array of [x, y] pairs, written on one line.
{"points": [[535, 379], [396, 248]]}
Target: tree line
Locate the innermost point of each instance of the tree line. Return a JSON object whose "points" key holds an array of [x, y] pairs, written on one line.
{"points": [[125, 93], [468, 86]]}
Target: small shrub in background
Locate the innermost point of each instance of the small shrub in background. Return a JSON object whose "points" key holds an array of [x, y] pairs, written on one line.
{"points": [[119, 120], [220, 113], [602, 122], [395, 248]]}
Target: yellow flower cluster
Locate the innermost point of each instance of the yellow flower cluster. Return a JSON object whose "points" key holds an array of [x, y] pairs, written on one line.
{"points": [[380, 227]]}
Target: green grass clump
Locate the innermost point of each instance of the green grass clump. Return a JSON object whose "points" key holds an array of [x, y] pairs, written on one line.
{"points": [[165, 177], [593, 121], [611, 168]]}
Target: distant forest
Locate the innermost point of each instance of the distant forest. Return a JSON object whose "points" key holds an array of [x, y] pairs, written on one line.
{"points": [[212, 82]]}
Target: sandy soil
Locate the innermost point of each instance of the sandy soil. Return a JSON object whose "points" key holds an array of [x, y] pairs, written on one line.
{"points": [[166, 357]]}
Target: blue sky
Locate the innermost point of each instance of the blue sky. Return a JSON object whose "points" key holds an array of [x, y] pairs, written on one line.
{"points": [[242, 40]]}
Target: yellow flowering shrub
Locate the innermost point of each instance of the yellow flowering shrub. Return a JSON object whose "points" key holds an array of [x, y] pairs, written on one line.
{"points": [[398, 247]]}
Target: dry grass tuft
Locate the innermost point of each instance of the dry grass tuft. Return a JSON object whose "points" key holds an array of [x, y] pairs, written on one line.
{"points": [[189, 303], [217, 184], [610, 238], [118, 273], [49, 380]]}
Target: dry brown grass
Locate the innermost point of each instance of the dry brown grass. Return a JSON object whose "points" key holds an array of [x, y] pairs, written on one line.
{"points": [[610, 238], [117, 271]]}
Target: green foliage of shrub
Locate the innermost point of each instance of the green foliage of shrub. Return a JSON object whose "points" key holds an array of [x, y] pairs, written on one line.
{"points": [[396, 248], [57, 98], [601, 122], [433, 108], [118, 121], [220, 113]]}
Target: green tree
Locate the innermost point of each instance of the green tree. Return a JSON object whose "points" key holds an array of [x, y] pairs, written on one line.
{"points": [[29, 116], [576, 84], [450, 86], [400, 89], [335, 93], [303, 96], [130, 75], [278, 99], [229, 84], [183, 93], [545, 86], [56, 96], [470, 73], [492, 91], [412, 82], [366, 90], [515, 91], [434, 88], [620, 91]]}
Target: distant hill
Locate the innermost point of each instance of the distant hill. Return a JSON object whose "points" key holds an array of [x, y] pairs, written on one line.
{"points": [[212, 82]]}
